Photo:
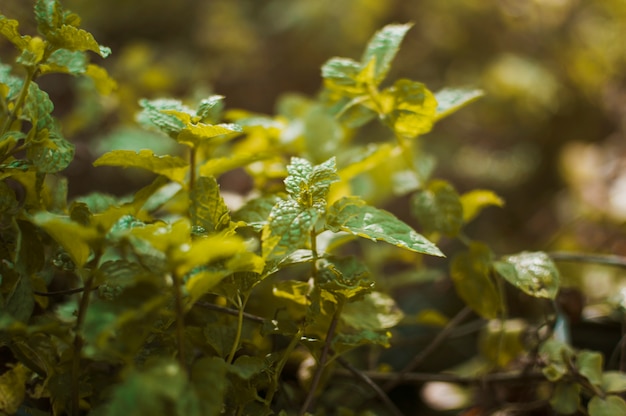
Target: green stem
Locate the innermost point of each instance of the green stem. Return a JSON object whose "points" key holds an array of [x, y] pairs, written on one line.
{"points": [[310, 398], [180, 321], [79, 343], [280, 366], [21, 99], [241, 304], [192, 168]]}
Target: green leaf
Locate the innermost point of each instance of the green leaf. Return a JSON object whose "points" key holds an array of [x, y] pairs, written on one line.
{"points": [[8, 29], [153, 116], [75, 238], [206, 206], [566, 398], [475, 201], [532, 272], [308, 184], [293, 290], [150, 390], [49, 15], [208, 378], [375, 311], [288, 228], [410, 108], [347, 279], [450, 100], [589, 364], [383, 47], [501, 341], [366, 159], [51, 153], [20, 301], [210, 108], [354, 216], [30, 250], [197, 134], [438, 208], [613, 381], [471, 273], [341, 71], [64, 60], [610, 406], [199, 283], [38, 106], [256, 211], [172, 167], [8, 201], [246, 367]]}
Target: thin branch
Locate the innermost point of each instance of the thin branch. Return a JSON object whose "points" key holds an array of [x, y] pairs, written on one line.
{"points": [[310, 398], [494, 378], [436, 342], [606, 259], [64, 292], [367, 380], [231, 311]]}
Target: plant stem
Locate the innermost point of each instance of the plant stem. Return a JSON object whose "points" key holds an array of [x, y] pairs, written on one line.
{"points": [[79, 343], [30, 75], [180, 321], [192, 167], [437, 341], [605, 259], [280, 366], [310, 398], [367, 380], [241, 304]]}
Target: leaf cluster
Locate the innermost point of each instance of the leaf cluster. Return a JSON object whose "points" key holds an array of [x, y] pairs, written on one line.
{"points": [[173, 301]]}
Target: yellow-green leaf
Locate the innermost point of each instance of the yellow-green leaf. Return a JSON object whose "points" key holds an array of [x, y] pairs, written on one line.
{"points": [[219, 165], [75, 39], [8, 29], [13, 388], [566, 398], [172, 167], [382, 49], [206, 206], [475, 201], [196, 134], [471, 273], [410, 108], [609, 406], [613, 381], [75, 238], [103, 82]]}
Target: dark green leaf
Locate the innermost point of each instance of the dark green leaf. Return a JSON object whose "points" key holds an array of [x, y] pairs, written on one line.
{"points": [[208, 378], [64, 60], [38, 105], [356, 217], [438, 208], [8, 201], [532, 272], [383, 48], [471, 274], [30, 250], [246, 367], [20, 301], [256, 211], [51, 153]]}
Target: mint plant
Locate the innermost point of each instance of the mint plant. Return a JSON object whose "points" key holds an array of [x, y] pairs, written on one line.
{"points": [[170, 301]]}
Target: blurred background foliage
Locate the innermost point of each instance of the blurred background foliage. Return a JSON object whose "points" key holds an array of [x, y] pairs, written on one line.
{"points": [[548, 137]]}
